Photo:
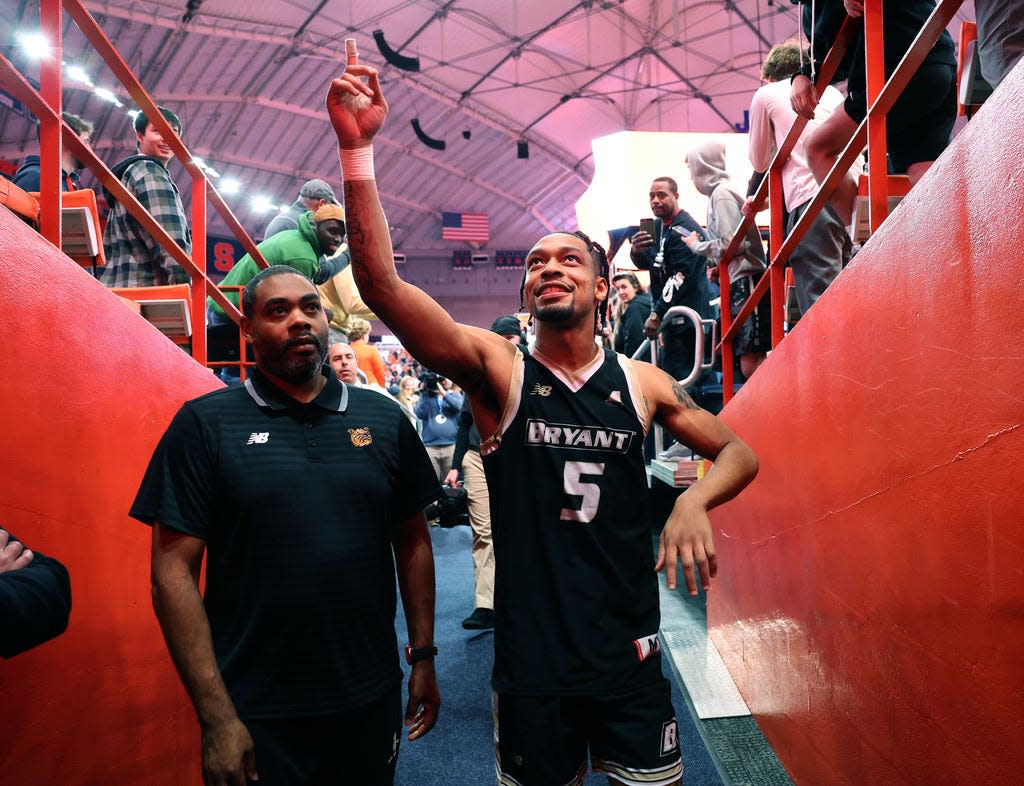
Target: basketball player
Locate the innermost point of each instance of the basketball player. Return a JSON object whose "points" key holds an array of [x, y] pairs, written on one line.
{"points": [[577, 664]]}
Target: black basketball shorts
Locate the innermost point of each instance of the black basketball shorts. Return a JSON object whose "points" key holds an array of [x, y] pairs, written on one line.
{"points": [[545, 740]]}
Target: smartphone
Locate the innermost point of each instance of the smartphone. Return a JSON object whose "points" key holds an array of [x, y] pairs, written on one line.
{"points": [[647, 225]]}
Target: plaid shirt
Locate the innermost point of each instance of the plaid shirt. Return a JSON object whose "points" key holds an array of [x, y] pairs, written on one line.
{"points": [[134, 258]]}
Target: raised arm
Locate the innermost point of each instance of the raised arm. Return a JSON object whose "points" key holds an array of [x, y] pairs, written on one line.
{"points": [[357, 110], [687, 536]]}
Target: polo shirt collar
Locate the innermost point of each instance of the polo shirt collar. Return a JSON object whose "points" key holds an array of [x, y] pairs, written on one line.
{"points": [[333, 397]]}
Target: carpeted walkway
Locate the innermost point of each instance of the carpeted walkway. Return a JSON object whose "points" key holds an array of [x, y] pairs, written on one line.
{"points": [[460, 749]]}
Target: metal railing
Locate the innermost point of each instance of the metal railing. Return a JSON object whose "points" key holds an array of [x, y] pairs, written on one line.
{"points": [[675, 316], [881, 95], [54, 134]]}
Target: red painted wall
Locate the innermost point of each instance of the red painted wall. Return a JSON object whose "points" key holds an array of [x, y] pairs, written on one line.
{"points": [[86, 390], [870, 600]]}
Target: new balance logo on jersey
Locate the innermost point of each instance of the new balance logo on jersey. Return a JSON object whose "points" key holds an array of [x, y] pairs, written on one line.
{"points": [[540, 390], [647, 646], [540, 432], [258, 438]]}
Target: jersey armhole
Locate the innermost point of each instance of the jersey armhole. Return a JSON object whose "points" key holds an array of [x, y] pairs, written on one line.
{"points": [[512, 400], [636, 393]]}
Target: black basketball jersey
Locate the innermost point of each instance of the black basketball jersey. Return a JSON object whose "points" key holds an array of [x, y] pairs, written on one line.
{"points": [[576, 595]]}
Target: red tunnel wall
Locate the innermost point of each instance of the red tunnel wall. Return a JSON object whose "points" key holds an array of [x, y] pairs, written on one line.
{"points": [[86, 390], [870, 600]]}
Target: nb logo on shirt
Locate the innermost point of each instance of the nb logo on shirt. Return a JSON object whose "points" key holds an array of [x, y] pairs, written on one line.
{"points": [[541, 390], [258, 438]]}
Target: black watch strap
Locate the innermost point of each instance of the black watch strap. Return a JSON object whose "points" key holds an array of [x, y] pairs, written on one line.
{"points": [[416, 654]]}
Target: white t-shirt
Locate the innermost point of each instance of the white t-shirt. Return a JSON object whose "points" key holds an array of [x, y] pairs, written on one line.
{"points": [[771, 117]]}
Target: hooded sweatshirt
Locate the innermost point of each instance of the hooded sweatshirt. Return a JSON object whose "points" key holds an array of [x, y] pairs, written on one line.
{"points": [[296, 248], [707, 168]]}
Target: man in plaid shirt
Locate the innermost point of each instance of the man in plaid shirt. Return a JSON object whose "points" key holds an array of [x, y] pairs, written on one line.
{"points": [[134, 257]]}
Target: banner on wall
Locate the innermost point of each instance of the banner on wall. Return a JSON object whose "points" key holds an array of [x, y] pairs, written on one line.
{"points": [[221, 255]]}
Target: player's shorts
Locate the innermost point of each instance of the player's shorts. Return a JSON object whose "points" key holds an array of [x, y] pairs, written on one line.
{"points": [[919, 125], [360, 746], [544, 740]]}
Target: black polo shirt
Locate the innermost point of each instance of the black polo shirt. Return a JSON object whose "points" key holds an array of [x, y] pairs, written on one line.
{"points": [[297, 504]]}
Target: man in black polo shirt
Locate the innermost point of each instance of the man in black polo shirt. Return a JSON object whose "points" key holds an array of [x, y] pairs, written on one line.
{"points": [[306, 493]]}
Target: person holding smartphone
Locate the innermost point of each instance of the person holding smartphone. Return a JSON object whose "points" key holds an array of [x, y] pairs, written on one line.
{"points": [[677, 274]]}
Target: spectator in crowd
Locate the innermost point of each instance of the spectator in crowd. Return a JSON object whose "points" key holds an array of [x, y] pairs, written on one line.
{"points": [[677, 276], [35, 597], [309, 495], [1000, 37], [825, 249], [629, 333], [438, 411], [342, 358], [369, 358], [307, 249], [313, 195], [134, 257], [466, 462], [707, 169], [920, 123], [407, 398], [577, 669], [27, 176], [342, 296]]}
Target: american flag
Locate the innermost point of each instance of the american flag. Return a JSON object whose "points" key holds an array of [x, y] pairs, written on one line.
{"points": [[472, 227]]}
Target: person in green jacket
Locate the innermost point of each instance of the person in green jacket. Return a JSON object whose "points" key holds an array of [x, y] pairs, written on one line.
{"points": [[309, 249]]}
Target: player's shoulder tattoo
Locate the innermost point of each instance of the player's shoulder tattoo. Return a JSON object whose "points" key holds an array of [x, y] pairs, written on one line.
{"points": [[683, 397]]}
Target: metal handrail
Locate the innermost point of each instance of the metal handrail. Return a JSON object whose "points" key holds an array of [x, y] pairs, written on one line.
{"points": [[880, 99], [675, 316], [46, 105]]}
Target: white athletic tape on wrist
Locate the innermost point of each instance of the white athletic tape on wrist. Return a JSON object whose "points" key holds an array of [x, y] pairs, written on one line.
{"points": [[357, 163]]}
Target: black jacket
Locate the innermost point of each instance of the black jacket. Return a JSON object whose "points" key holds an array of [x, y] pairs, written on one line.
{"points": [[901, 22], [35, 602], [27, 176], [630, 333]]}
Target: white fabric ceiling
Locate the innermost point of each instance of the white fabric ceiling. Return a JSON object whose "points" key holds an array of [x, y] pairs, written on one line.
{"points": [[248, 79]]}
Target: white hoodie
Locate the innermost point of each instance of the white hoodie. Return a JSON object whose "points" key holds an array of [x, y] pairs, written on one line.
{"points": [[707, 169]]}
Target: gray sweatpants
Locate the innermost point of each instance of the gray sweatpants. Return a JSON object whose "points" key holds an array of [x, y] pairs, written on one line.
{"points": [[821, 255]]}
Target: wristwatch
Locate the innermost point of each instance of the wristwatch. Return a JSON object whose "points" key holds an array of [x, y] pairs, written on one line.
{"points": [[416, 654]]}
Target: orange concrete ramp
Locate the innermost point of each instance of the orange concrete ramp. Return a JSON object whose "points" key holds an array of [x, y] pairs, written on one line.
{"points": [[870, 600], [86, 389]]}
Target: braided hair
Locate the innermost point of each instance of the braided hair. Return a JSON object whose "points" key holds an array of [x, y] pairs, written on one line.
{"points": [[600, 258]]}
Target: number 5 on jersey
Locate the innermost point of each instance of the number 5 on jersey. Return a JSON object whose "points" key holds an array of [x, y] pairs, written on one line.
{"points": [[588, 491]]}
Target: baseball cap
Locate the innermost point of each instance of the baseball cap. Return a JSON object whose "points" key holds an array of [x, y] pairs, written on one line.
{"points": [[318, 189], [507, 326], [329, 211]]}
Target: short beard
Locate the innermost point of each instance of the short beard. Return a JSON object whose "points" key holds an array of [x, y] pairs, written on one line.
{"points": [[555, 314], [294, 371]]}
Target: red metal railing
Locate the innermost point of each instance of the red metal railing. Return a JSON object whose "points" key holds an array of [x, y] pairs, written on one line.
{"points": [[881, 95], [53, 133]]}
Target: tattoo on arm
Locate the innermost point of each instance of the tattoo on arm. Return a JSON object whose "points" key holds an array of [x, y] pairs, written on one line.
{"points": [[683, 397]]}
